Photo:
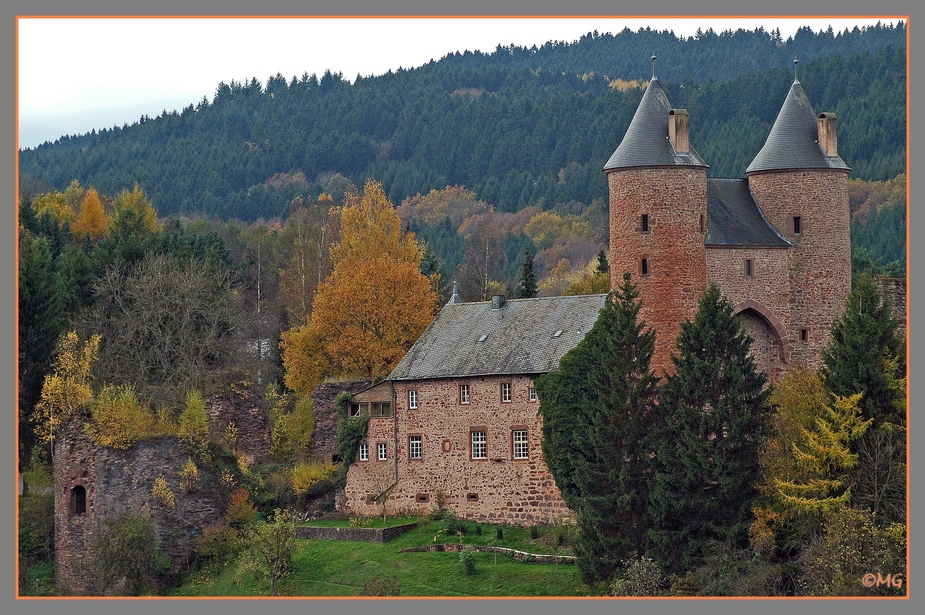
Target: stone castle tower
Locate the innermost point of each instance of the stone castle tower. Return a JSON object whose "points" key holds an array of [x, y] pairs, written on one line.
{"points": [[776, 243]]}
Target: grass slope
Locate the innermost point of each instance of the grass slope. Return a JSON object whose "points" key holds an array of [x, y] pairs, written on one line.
{"points": [[340, 568]]}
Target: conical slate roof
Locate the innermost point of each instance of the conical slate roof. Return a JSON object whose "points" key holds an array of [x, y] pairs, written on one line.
{"points": [[646, 143], [793, 141]]}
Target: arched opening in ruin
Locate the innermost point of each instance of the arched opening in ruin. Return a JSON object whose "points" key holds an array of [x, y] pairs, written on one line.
{"points": [[78, 500]]}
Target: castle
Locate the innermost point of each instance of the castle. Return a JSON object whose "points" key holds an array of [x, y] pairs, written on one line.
{"points": [[777, 243], [458, 419]]}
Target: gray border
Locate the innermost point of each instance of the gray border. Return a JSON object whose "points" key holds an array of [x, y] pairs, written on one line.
{"points": [[477, 7]]}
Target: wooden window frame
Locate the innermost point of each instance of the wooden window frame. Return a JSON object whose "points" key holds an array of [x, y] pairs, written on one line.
{"points": [[382, 451], [363, 452], [531, 394], [412, 399], [482, 443], [506, 391], [525, 443], [420, 446], [464, 396]]}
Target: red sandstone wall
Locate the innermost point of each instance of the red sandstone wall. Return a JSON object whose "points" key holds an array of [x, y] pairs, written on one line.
{"points": [[675, 199], [507, 490], [768, 285], [820, 272]]}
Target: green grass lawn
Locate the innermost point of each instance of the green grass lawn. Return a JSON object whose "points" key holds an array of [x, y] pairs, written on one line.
{"points": [[339, 568]]}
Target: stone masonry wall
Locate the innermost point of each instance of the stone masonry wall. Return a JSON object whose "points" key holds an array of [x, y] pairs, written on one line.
{"points": [[675, 200], [893, 291], [498, 489], [820, 262], [324, 439], [119, 481], [250, 420], [769, 286]]}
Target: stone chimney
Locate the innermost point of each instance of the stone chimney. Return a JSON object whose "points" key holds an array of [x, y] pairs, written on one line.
{"points": [[497, 301], [678, 131], [828, 135]]}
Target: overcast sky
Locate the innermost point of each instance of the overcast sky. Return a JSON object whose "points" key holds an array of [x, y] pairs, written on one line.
{"points": [[79, 74]]}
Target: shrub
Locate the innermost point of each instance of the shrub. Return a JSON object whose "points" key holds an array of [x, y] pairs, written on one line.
{"points": [[381, 586], [193, 427], [127, 547], [534, 532], [499, 534], [189, 476], [292, 433], [455, 525], [439, 510], [36, 528], [640, 577], [241, 512], [119, 419], [342, 402], [467, 559], [219, 543], [270, 546], [163, 494], [307, 474]]}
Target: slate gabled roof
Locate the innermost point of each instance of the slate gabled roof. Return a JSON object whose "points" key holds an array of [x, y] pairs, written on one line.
{"points": [[734, 219], [519, 338], [646, 142], [793, 140]]}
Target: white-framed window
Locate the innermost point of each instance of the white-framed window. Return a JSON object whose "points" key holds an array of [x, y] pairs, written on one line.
{"points": [[415, 446], [412, 400], [532, 393], [381, 448], [464, 393], [479, 449], [519, 440], [505, 391], [364, 452]]}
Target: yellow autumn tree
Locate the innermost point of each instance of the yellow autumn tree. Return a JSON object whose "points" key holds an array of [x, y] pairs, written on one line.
{"points": [[374, 305], [61, 206], [67, 389], [91, 220], [118, 419]]}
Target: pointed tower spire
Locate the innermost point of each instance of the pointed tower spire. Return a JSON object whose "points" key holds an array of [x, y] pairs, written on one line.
{"points": [[795, 63], [653, 68]]}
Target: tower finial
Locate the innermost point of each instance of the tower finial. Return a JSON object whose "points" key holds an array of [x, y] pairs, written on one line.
{"points": [[653, 66], [795, 62]]}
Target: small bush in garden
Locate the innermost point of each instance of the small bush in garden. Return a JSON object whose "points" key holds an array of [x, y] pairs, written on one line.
{"points": [[381, 586], [467, 559], [455, 525], [499, 535], [478, 530], [439, 511], [534, 532]]}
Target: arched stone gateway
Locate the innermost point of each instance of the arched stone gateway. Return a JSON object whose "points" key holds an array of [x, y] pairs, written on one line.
{"points": [[771, 344]]}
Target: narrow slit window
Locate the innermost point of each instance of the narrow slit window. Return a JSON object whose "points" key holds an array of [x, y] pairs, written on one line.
{"points": [[644, 266], [644, 223], [804, 335], [701, 223], [749, 268], [797, 225]]}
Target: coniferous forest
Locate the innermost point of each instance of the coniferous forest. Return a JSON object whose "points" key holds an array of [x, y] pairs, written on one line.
{"points": [[183, 256]]}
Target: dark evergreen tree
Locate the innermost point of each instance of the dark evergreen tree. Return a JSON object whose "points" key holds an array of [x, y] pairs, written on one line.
{"points": [[526, 288], [603, 264], [596, 412], [712, 414], [40, 324], [864, 354]]}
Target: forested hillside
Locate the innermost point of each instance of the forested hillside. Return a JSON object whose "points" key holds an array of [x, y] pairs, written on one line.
{"points": [[518, 127]]}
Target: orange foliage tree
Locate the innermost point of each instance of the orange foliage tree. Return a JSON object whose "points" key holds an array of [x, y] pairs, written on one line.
{"points": [[91, 220], [374, 305]]}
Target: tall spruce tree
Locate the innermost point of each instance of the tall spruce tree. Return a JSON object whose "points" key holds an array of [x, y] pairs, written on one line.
{"points": [[864, 354], [710, 420], [527, 289], [596, 411]]}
